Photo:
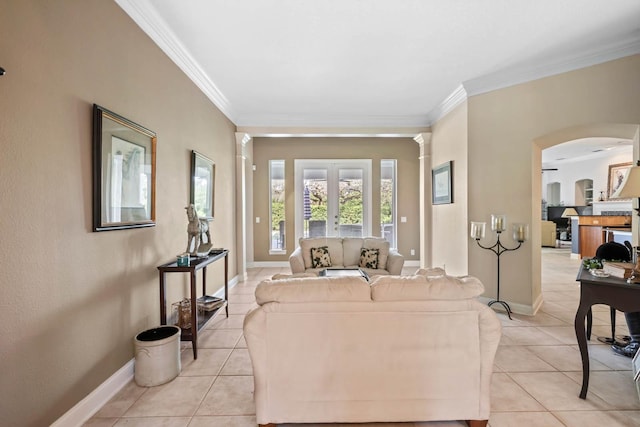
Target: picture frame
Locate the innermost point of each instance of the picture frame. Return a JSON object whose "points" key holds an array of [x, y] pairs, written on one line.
{"points": [[442, 184], [203, 175], [124, 172], [617, 174]]}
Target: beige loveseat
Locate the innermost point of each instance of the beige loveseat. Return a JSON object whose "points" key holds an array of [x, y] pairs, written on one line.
{"points": [[345, 252], [405, 348]]}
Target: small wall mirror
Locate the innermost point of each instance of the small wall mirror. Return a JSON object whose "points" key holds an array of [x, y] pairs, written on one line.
{"points": [[202, 184]]}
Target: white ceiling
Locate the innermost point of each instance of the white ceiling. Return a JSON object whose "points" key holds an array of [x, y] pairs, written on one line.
{"points": [[382, 63], [584, 149]]}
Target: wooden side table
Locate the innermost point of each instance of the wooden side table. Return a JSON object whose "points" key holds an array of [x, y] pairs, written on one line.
{"points": [[195, 264]]}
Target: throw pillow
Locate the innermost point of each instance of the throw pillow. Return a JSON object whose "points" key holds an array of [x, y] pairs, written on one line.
{"points": [[369, 258], [320, 257], [380, 244]]}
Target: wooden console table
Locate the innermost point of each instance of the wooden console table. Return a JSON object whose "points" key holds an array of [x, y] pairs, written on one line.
{"points": [[611, 291], [195, 264]]}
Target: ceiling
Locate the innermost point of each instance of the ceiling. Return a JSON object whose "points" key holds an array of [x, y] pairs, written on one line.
{"points": [[383, 63], [585, 149]]}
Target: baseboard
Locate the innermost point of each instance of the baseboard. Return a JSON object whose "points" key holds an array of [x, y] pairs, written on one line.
{"points": [[95, 400], [537, 304], [527, 310], [574, 256]]}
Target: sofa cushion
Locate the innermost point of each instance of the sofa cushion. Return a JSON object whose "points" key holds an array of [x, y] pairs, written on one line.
{"points": [[291, 276], [333, 243], [320, 257], [418, 287], [351, 250], [369, 258], [318, 289], [431, 272], [380, 244]]}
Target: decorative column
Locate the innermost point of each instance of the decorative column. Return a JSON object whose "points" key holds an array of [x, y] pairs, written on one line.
{"points": [[244, 205], [424, 141]]}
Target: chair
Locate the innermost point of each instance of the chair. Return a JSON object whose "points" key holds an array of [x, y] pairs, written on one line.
{"points": [[610, 251], [548, 233]]}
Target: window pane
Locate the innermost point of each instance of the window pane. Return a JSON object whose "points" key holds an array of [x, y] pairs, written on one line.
{"points": [[277, 220], [350, 202], [388, 201], [315, 218]]}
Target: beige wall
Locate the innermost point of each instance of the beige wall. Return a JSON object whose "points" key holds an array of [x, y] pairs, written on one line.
{"points": [[405, 150], [449, 240], [507, 129], [73, 300]]}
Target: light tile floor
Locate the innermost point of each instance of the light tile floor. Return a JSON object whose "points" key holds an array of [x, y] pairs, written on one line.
{"points": [[536, 381]]}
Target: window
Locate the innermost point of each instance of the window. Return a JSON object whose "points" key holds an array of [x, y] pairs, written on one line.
{"points": [[332, 197], [276, 208], [388, 201]]}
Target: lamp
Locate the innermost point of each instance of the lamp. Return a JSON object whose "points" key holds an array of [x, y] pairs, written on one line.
{"points": [[569, 212], [498, 225], [630, 187]]}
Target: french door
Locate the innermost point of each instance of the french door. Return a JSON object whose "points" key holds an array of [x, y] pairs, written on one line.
{"points": [[333, 198]]}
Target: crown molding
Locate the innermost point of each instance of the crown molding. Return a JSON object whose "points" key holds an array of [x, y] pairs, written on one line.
{"points": [[332, 132], [331, 120], [530, 70], [457, 97], [145, 15]]}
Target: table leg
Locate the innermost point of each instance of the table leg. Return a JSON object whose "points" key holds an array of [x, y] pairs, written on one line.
{"points": [[583, 309], [163, 301], [204, 281], [613, 324], [226, 283], [194, 316]]}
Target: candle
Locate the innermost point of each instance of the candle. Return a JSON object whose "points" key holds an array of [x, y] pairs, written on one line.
{"points": [[477, 230], [520, 232], [498, 223]]}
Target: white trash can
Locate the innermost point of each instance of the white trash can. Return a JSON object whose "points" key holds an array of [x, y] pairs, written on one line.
{"points": [[157, 356]]}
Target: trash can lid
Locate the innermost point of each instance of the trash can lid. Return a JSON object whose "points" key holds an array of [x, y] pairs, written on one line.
{"points": [[158, 333]]}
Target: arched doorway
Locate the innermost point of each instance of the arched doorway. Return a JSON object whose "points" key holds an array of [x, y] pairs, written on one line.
{"points": [[623, 131]]}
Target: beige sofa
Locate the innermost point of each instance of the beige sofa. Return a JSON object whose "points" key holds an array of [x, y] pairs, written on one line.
{"points": [[405, 348], [345, 253]]}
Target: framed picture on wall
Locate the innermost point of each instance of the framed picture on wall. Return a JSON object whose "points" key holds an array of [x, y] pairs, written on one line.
{"points": [[442, 184], [203, 172], [617, 174], [124, 172]]}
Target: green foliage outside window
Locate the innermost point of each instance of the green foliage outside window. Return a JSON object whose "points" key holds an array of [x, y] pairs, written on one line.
{"points": [[350, 200]]}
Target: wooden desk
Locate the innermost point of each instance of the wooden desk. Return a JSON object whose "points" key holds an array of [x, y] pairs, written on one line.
{"points": [[197, 322], [611, 291]]}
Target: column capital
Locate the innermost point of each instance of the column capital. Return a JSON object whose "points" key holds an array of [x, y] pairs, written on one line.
{"points": [[242, 139], [424, 141]]}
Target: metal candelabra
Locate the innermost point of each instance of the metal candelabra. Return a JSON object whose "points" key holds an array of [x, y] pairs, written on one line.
{"points": [[498, 248]]}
